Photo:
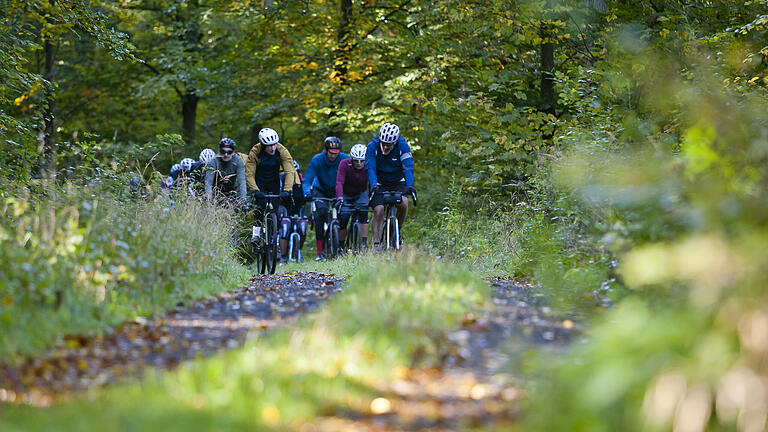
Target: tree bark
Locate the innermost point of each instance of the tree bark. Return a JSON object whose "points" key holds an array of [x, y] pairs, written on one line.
{"points": [[189, 116], [547, 69]]}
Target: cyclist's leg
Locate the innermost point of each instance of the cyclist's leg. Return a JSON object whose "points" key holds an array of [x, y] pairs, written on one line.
{"points": [[302, 223], [361, 205], [402, 208], [347, 208], [321, 214], [285, 229]]}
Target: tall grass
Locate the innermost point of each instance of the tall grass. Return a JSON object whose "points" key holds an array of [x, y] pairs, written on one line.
{"points": [[79, 260]]}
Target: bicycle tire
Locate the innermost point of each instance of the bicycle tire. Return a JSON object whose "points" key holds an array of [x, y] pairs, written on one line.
{"points": [[271, 243], [333, 239], [395, 233], [353, 238], [295, 247]]}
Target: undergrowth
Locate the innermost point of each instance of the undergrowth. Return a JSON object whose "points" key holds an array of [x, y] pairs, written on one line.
{"points": [[79, 260]]}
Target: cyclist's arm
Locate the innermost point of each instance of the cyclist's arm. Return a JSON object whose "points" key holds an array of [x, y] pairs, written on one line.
{"points": [[209, 175], [251, 166], [341, 175], [290, 171], [406, 159], [241, 180], [370, 162]]}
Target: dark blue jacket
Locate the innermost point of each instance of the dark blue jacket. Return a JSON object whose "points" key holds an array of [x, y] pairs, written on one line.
{"points": [[391, 168], [321, 174]]}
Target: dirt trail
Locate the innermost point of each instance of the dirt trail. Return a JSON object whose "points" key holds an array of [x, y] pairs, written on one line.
{"points": [[203, 328], [471, 386]]}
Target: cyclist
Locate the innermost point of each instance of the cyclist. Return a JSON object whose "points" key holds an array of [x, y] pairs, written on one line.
{"points": [[389, 163], [297, 212], [352, 187], [320, 182], [226, 174], [263, 176]]}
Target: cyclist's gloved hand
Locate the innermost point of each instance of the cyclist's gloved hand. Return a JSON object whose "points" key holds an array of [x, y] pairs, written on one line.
{"points": [[258, 195], [374, 190], [412, 191], [285, 194]]}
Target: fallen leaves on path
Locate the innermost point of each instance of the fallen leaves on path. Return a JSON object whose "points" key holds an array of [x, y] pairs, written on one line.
{"points": [[207, 326]]}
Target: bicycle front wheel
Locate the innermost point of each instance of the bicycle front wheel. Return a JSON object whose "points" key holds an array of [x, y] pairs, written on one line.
{"points": [[271, 243], [333, 240], [393, 233], [353, 239]]}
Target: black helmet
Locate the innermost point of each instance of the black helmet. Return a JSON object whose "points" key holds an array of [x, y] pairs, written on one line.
{"points": [[333, 144], [227, 142]]}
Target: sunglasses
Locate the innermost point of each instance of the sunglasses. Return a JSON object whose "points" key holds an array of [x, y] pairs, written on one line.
{"points": [[387, 144], [358, 160], [227, 152]]}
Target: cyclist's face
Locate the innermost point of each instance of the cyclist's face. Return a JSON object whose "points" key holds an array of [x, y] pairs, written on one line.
{"points": [[386, 148], [331, 156], [226, 154], [358, 164], [270, 149]]}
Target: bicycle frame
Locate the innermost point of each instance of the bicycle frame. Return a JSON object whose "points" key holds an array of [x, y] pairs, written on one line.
{"points": [[331, 223], [266, 250]]}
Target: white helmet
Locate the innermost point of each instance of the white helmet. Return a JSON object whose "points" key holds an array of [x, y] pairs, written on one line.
{"points": [[389, 133], [206, 155], [357, 152], [268, 136], [186, 164], [175, 168]]}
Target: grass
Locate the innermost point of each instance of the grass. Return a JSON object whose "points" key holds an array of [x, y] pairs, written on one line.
{"points": [[332, 361], [76, 264]]}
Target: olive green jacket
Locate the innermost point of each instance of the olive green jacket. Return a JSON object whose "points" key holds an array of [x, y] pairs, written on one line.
{"points": [[286, 161]]}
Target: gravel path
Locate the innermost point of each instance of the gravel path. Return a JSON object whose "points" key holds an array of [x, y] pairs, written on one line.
{"points": [[203, 328], [472, 386]]}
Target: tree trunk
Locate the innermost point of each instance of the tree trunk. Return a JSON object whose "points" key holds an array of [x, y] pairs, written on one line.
{"points": [[189, 116], [547, 69], [340, 67]]}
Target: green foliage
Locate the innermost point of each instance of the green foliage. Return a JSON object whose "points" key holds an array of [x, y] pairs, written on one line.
{"points": [[73, 263], [332, 361]]}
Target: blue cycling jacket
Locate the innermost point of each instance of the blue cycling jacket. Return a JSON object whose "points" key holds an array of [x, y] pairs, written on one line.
{"points": [[321, 174], [391, 168]]}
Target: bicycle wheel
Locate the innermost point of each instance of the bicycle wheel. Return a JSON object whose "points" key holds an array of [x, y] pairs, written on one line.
{"points": [[395, 233], [295, 247], [333, 239], [271, 243], [353, 238]]}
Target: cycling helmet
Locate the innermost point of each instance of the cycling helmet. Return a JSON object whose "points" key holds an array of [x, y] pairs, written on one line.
{"points": [[296, 165], [175, 168], [333, 144], [357, 152], [186, 164], [268, 137], [227, 142], [389, 133], [206, 155]]}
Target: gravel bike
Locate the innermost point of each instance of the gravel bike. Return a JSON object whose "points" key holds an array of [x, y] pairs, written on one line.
{"points": [[266, 247], [331, 229], [390, 233]]}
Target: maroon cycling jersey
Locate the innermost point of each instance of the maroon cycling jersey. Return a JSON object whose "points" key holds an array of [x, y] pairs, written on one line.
{"points": [[350, 181]]}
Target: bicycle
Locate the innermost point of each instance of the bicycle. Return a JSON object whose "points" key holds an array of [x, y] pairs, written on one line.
{"points": [[331, 228], [265, 249], [355, 235], [294, 238], [390, 234]]}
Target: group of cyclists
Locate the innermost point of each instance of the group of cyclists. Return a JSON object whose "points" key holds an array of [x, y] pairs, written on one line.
{"points": [[352, 182]]}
